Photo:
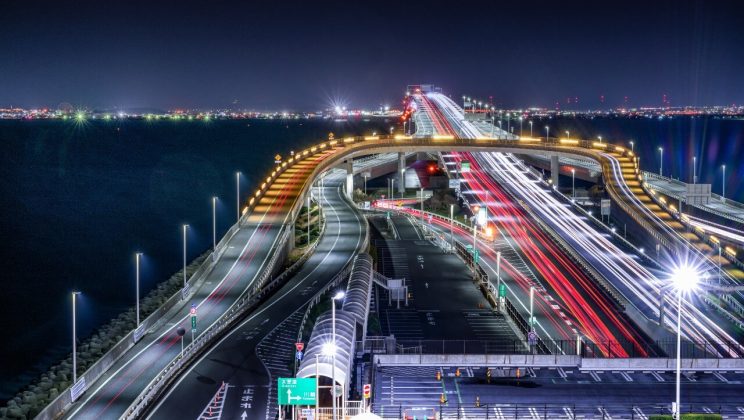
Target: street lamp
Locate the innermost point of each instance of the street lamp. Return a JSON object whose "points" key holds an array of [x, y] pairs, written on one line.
{"points": [[547, 133], [137, 257], [530, 122], [723, 192], [520, 126], [237, 195], [185, 229], [74, 339], [685, 279], [452, 236], [600, 138], [214, 224], [694, 170], [661, 160], [332, 348], [632, 144], [568, 135], [573, 183]]}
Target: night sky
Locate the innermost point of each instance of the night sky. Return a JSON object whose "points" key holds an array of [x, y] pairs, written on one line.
{"points": [[287, 55]]}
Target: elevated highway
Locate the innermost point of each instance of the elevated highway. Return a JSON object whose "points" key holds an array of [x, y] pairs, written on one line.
{"points": [[253, 251]]}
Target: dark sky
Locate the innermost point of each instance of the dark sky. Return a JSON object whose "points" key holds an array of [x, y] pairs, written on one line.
{"points": [[299, 55]]}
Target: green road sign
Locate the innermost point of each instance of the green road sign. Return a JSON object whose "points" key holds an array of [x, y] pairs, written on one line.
{"points": [[502, 290], [465, 166], [193, 322], [296, 391]]}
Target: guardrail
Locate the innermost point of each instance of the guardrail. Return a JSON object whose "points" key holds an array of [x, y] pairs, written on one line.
{"points": [[599, 349], [482, 409]]}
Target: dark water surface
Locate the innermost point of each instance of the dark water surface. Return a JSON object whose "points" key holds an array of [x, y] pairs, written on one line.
{"points": [[79, 200]]}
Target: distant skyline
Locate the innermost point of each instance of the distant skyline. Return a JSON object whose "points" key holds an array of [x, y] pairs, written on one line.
{"points": [[303, 56]]}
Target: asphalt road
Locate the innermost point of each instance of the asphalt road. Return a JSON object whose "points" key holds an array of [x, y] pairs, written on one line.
{"points": [[234, 359], [444, 302]]}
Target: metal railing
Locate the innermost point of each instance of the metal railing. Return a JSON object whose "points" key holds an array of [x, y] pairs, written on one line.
{"points": [[598, 349], [544, 411]]}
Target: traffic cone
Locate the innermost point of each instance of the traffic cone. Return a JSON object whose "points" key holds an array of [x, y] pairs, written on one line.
{"points": [[439, 376]]}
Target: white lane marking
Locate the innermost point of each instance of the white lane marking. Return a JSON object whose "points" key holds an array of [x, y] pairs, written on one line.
{"points": [[595, 376]]}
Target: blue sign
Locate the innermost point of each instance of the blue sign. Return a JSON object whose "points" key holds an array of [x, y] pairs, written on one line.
{"points": [[299, 355]]}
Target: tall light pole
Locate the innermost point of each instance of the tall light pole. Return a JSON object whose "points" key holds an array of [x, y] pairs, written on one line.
{"points": [[723, 183], [365, 183], [339, 295], [137, 257], [573, 183], [392, 188], [422, 207], [74, 338], [694, 169], [452, 236], [547, 133], [661, 161], [185, 229], [600, 138], [520, 127], [685, 279], [532, 307], [568, 135], [530, 122], [237, 195], [214, 224], [632, 144]]}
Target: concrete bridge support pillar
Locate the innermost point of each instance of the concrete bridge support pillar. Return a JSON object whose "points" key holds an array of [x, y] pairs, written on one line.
{"points": [[555, 169], [402, 173], [349, 178]]}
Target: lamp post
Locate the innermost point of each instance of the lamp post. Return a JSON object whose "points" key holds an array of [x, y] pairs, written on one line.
{"points": [[74, 338], [573, 183], [530, 122], [684, 279], [137, 257], [568, 135], [365, 183], [547, 133], [520, 127], [694, 169], [422, 207], [661, 161], [600, 138], [214, 224], [339, 295], [392, 188], [452, 236], [532, 307], [723, 183], [185, 229], [632, 145], [237, 195]]}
